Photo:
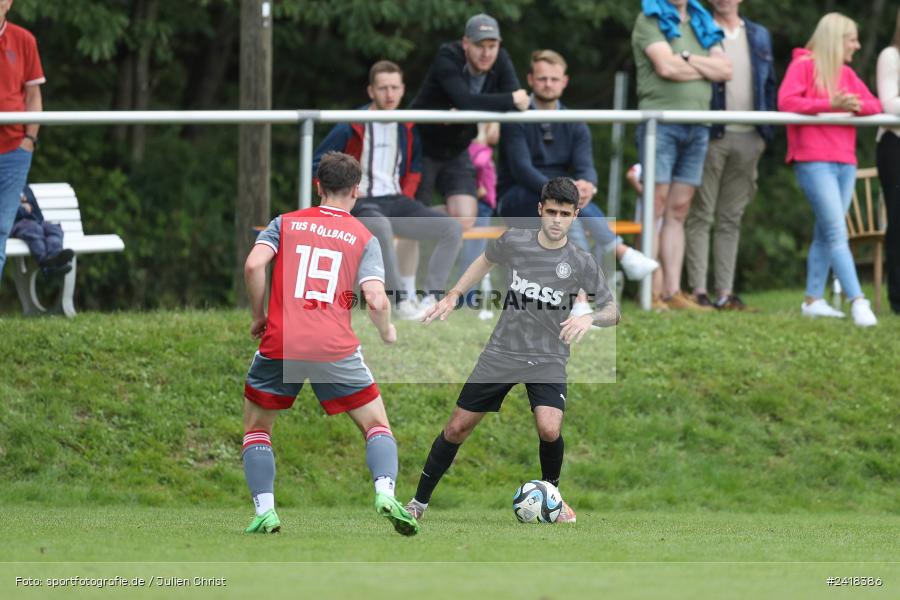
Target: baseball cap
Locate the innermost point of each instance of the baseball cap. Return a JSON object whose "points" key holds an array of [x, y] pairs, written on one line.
{"points": [[482, 27]]}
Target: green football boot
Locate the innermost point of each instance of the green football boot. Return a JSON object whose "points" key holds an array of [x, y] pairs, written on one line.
{"points": [[268, 522], [393, 511]]}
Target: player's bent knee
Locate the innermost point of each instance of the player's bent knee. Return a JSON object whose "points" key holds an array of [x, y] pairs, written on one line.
{"points": [[456, 433], [257, 418], [549, 435]]}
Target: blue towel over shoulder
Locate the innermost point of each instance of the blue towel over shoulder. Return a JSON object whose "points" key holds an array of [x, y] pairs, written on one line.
{"points": [[705, 28]]}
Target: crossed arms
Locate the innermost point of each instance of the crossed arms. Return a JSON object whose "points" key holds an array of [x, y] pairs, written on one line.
{"points": [[668, 65]]}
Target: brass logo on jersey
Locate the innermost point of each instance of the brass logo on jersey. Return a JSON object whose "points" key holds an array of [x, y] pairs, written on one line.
{"points": [[534, 291], [563, 270]]}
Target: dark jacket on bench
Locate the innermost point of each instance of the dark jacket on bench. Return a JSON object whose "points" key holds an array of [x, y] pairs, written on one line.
{"points": [[35, 214], [44, 240]]}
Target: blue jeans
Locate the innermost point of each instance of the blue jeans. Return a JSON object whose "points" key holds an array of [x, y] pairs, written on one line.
{"points": [[829, 188], [14, 167], [591, 217], [680, 152], [472, 249]]}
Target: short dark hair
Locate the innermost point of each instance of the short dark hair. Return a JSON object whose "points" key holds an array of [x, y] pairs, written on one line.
{"points": [[338, 173], [561, 189], [384, 66]]}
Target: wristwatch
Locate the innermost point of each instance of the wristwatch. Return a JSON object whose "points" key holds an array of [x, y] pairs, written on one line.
{"points": [[32, 138], [686, 54]]}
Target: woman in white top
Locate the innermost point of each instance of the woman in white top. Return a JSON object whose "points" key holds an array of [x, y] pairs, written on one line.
{"points": [[889, 160]]}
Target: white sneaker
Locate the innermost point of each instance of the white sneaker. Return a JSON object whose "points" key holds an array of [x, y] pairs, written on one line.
{"points": [[427, 302], [862, 314], [636, 265], [407, 310], [416, 509], [820, 308]]}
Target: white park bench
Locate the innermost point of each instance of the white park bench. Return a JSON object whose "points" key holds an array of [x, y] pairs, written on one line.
{"points": [[58, 203]]}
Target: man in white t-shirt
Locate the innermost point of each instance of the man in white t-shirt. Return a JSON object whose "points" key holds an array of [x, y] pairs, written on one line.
{"points": [[391, 156]]}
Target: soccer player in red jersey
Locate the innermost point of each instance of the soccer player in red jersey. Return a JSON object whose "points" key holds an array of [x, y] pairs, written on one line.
{"points": [[319, 254]]}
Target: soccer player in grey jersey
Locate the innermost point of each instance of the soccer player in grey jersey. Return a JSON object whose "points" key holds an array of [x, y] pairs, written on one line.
{"points": [[530, 343]]}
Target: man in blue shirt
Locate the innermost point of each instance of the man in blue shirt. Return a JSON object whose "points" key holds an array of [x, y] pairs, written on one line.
{"points": [[533, 153]]}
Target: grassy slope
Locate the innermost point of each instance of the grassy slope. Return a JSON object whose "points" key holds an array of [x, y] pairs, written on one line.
{"points": [[750, 412]]}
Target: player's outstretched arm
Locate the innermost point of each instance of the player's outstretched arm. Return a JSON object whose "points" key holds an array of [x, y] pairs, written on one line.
{"points": [[574, 328], [255, 281], [607, 315], [480, 267], [379, 309]]}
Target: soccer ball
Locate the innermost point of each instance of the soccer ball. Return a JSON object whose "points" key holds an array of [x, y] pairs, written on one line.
{"points": [[537, 502]]}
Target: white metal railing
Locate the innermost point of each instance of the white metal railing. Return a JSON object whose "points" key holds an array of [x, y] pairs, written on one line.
{"points": [[306, 120]]}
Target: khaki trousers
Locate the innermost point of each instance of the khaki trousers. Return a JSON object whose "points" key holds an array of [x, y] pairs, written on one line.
{"points": [[729, 184]]}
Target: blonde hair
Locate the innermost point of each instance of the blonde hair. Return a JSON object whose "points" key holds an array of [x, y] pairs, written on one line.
{"points": [[827, 47], [548, 56]]}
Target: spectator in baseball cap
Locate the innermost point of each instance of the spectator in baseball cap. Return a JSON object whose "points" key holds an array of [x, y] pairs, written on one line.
{"points": [[482, 27], [473, 73]]}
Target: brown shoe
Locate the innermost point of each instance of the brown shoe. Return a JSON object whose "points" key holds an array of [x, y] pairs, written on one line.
{"points": [[659, 305], [681, 301], [702, 300], [733, 302]]}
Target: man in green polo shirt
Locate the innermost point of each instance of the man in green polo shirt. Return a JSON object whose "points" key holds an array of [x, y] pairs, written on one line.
{"points": [[677, 51]]}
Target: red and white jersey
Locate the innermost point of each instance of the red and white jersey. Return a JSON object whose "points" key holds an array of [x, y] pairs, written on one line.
{"points": [[20, 66], [322, 253]]}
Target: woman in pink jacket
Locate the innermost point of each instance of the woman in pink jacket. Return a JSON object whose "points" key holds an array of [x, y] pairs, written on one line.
{"points": [[819, 80]]}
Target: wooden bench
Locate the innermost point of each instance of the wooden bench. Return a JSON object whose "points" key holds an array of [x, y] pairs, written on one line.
{"points": [[58, 203]]}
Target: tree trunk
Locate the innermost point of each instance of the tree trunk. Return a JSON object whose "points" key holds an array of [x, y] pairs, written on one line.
{"points": [[148, 10], [124, 92], [209, 70], [254, 161]]}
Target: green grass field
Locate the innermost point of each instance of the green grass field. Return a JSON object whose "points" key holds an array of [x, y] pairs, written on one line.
{"points": [[736, 456], [347, 551]]}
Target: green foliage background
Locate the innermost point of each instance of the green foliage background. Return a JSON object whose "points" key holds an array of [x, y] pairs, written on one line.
{"points": [[174, 207]]}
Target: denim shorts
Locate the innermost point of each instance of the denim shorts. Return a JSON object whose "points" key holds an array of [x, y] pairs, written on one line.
{"points": [[680, 152]]}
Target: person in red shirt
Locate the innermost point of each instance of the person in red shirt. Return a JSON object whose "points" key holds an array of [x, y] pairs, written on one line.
{"points": [[319, 254], [21, 75]]}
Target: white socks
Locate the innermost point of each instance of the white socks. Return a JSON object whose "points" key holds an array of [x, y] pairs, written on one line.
{"points": [[384, 485], [408, 282], [263, 503]]}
